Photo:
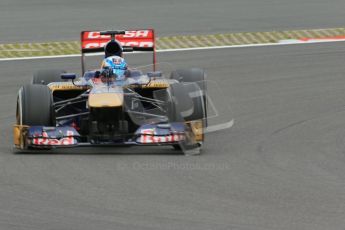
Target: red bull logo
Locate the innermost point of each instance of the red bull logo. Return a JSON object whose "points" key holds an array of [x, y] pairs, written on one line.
{"points": [[148, 137], [44, 140]]}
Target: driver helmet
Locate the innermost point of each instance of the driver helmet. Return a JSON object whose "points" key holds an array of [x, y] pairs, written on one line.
{"points": [[117, 64]]}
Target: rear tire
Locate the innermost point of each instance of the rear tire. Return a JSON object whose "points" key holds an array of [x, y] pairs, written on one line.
{"points": [[35, 106], [44, 77]]}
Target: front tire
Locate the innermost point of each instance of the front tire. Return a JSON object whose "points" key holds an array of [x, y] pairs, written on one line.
{"points": [[186, 104], [193, 75], [35, 106]]}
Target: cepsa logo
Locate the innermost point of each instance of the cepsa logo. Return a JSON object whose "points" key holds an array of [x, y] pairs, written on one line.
{"points": [[93, 45], [129, 34], [137, 38]]}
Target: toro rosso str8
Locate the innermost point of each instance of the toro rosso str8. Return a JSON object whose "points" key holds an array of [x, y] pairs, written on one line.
{"points": [[148, 107]]}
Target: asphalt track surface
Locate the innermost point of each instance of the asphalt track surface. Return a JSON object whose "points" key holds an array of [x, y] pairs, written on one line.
{"points": [[47, 20], [282, 166]]}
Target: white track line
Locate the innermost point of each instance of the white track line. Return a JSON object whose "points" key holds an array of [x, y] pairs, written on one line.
{"points": [[283, 43]]}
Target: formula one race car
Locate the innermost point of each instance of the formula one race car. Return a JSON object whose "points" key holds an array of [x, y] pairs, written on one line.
{"points": [[148, 107]]}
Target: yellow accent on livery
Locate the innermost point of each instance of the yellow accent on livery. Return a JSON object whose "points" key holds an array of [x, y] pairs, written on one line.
{"points": [[101, 100], [62, 86], [19, 135]]}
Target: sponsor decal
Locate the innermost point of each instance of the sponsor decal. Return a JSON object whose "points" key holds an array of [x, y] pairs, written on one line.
{"points": [[46, 141], [135, 38], [93, 45], [64, 86], [147, 136], [157, 85], [129, 34]]}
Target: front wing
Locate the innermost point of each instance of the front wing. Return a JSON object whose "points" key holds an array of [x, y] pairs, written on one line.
{"points": [[40, 137]]}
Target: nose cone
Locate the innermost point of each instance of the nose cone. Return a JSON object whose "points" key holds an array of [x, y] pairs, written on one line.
{"points": [[101, 100]]}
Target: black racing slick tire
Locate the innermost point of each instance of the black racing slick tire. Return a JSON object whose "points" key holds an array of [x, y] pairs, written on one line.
{"points": [[186, 102], [196, 95], [35, 106], [197, 76], [194, 81], [44, 77], [180, 104]]}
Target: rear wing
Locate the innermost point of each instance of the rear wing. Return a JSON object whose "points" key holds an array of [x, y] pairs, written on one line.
{"points": [[130, 40]]}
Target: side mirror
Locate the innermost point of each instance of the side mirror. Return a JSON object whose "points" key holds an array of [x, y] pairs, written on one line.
{"points": [[68, 76], [155, 74]]}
